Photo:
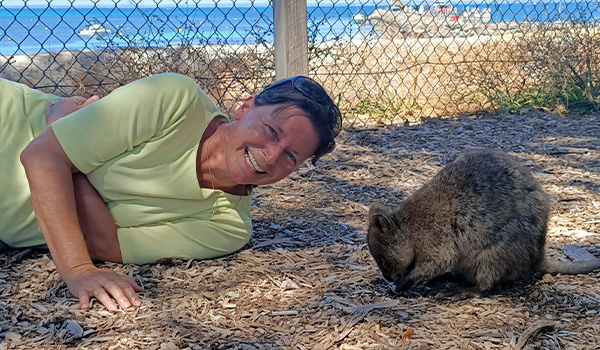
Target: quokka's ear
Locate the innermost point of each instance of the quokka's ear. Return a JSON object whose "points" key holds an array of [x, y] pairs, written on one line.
{"points": [[378, 208], [379, 218]]}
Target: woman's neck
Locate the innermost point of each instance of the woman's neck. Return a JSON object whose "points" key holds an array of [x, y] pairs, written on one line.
{"points": [[211, 167]]}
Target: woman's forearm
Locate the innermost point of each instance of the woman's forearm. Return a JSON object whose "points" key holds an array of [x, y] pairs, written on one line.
{"points": [[94, 219], [96, 223], [50, 179]]}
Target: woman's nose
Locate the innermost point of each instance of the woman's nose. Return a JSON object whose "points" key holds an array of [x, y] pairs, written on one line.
{"points": [[272, 152]]}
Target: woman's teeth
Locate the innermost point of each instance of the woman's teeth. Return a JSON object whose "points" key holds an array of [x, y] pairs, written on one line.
{"points": [[250, 159]]}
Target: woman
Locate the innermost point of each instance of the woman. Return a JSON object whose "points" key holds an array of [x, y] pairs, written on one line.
{"points": [[152, 170]]}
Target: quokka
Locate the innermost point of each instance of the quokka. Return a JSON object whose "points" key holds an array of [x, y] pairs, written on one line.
{"points": [[483, 217]]}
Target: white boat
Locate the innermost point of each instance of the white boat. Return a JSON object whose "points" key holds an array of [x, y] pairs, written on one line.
{"points": [[94, 30], [359, 18]]}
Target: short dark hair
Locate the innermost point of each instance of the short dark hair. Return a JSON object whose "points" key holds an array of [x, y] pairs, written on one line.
{"points": [[324, 115]]}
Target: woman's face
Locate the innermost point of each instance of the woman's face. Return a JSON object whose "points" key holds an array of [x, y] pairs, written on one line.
{"points": [[267, 144]]}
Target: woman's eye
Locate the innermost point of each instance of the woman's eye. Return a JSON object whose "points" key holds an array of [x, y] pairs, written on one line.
{"points": [[291, 156], [272, 131]]}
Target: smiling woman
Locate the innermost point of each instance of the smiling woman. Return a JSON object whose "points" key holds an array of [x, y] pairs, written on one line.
{"points": [[269, 143], [153, 170]]}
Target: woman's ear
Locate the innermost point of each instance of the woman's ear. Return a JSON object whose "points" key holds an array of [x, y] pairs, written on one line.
{"points": [[244, 108]]}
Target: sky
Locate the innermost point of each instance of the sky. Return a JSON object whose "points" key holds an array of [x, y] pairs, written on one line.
{"points": [[220, 3], [153, 3], [128, 3]]}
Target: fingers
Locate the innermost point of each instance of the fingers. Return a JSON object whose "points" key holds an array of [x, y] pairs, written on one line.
{"points": [[72, 101], [102, 296], [98, 293], [84, 300], [80, 101], [121, 290], [107, 287], [65, 106], [133, 283], [131, 291], [122, 293], [90, 100]]}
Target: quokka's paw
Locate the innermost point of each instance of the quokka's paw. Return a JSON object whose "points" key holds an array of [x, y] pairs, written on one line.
{"points": [[456, 294]]}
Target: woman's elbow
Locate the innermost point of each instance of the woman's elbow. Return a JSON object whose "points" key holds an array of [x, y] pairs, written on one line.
{"points": [[33, 153], [45, 150], [27, 155]]}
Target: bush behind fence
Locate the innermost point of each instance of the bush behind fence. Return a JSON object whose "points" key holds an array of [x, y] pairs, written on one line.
{"points": [[384, 62]]}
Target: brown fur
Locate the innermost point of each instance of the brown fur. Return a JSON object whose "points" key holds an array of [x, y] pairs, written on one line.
{"points": [[482, 216]]}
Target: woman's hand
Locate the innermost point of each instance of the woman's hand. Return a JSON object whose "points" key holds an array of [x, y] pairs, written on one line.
{"points": [[55, 111], [88, 281]]}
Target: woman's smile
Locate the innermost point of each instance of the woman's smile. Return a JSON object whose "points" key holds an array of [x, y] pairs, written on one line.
{"points": [[252, 162]]}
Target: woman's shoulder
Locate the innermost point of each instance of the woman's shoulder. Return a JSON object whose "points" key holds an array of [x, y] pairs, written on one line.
{"points": [[173, 87], [173, 80]]}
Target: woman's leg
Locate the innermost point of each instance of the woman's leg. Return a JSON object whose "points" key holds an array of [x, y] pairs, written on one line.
{"points": [[4, 247]]}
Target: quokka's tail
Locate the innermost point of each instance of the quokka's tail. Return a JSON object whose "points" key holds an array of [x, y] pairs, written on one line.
{"points": [[571, 267]]}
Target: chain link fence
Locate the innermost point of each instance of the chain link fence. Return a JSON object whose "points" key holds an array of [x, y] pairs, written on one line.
{"points": [[385, 62]]}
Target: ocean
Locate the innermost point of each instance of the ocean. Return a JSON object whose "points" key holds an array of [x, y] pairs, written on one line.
{"points": [[33, 30]]}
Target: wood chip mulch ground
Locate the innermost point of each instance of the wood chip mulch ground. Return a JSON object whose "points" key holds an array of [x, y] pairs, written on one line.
{"points": [[307, 280]]}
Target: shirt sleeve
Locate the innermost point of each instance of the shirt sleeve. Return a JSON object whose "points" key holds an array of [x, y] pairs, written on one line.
{"points": [[188, 238], [138, 112]]}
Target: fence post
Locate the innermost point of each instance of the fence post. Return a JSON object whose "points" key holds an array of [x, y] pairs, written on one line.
{"points": [[291, 39]]}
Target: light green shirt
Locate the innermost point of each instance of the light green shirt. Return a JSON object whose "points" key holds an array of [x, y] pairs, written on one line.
{"points": [[22, 118], [138, 147]]}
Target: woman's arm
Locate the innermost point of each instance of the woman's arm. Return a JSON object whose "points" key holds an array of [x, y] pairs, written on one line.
{"points": [[49, 172], [96, 223]]}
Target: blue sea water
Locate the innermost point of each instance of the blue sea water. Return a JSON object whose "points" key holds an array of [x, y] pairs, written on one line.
{"points": [[32, 30]]}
